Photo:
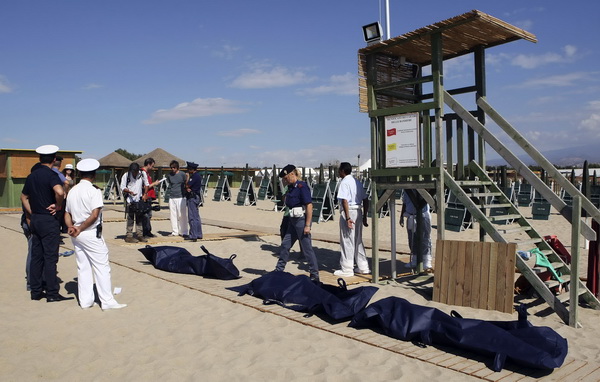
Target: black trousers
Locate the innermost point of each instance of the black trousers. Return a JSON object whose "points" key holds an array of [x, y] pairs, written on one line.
{"points": [[45, 230]]}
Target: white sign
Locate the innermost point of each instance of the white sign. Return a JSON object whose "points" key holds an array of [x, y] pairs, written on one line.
{"points": [[402, 140]]}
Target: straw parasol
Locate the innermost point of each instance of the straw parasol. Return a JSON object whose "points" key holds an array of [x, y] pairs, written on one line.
{"points": [[114, 160], [161, 157]]}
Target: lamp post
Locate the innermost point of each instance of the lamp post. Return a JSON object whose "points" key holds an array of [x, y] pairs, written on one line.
{"points": [[387, 20]]}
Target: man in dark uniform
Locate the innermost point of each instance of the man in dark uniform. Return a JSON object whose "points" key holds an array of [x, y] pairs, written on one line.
{"points": [[299, 202], [193, 187], [42, 198]]}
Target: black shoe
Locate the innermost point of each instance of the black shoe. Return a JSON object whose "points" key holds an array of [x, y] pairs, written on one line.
{"points": [[37, 296], [57, 298]]}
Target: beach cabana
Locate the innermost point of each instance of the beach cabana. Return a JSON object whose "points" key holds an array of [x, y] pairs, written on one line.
{"points": [[15, 166]]}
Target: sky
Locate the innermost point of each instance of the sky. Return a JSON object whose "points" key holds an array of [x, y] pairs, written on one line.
{"points": [[263, 82]]}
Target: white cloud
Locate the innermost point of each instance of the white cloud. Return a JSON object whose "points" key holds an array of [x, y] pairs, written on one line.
{"points": [[270, 77], [92, 86], [5, 86], [591, 123], [344, 84], [226, 52], [200, 107], [569, 79], [237, 133], [545, 100], [594, 105], [526, 24], [531, 61]]}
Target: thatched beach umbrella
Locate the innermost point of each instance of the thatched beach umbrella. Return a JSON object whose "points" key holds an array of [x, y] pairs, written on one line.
{"points": [[114, 160], [162, 158]]}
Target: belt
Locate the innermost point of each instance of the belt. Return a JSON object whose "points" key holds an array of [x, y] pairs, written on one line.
{"points": [[354, 207]]}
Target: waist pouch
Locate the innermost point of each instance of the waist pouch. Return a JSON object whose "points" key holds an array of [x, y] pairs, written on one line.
{"points": [[297, 212]]}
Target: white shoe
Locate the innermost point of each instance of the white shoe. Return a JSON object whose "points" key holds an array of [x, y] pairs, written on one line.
{"points": [[361, 272], [341, 273], [89, 307], [115, 306]]}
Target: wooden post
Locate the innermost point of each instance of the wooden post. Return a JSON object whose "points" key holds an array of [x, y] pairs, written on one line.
{"points": [[449, 148], [392, 204], [373, 207], [437, 69], [575, 250]]}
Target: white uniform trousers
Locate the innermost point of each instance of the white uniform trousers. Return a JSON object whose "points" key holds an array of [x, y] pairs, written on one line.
{"points": [[425, 242], [351, 245], [92, 263], [178, 216]]}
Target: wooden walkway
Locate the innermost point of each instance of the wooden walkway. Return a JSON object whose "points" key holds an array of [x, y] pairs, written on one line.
{"points": [[460, 361]]}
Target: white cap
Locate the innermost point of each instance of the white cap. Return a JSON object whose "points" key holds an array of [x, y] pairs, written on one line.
{"points": [[69, 166], [88, 164], [47, 149]]}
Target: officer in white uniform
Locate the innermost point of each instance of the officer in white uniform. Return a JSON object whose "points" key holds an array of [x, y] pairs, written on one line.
{"points": [[351, 196], [84, 222]]}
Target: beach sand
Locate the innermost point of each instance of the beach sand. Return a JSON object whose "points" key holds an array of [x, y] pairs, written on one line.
{"points": [[182, 327]]}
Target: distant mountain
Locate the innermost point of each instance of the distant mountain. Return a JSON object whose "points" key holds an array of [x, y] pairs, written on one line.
{"points": [[570, 156]]}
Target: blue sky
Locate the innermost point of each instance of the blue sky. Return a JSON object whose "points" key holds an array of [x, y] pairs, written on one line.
{"points": [[265, 82]]}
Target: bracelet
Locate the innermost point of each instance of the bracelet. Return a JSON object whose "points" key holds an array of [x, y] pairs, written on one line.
{"points": [[348, 219]]}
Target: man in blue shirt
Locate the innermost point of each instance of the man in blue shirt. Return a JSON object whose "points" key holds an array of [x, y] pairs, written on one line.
{"points": [[42, 198], [193, 187], [299, 202]]}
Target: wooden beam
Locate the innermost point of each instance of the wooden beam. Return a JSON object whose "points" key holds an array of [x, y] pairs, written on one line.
{"points": [[403, 83], [402, 109], [518, 165], [587, 205]]}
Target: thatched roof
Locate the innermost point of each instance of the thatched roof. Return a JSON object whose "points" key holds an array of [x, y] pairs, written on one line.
{"points": [[161, 157], [114, 159], [461, 34]]}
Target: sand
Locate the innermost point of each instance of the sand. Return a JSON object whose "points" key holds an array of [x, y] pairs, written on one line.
{"points": [[183, 327]]}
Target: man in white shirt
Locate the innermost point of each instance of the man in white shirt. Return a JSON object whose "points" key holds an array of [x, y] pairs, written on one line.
{"points": [[134, 185], [84, 221], [350, 196]]}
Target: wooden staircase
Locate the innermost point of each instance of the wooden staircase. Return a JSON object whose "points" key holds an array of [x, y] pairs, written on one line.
{"points": [[480, 197]]}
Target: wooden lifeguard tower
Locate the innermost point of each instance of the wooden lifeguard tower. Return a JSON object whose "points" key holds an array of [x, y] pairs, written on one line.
{"points": [[417, 137]]}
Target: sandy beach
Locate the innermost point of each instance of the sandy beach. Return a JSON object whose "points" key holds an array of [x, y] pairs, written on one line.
{"points": [[182, 327]]}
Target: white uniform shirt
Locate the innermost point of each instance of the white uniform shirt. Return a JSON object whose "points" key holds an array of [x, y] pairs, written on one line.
{"points": [[82, 200], [351, 190], [134, 184]]}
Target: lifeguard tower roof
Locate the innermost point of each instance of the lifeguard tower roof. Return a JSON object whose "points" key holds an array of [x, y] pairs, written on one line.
{"points": [[461, 34]]}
